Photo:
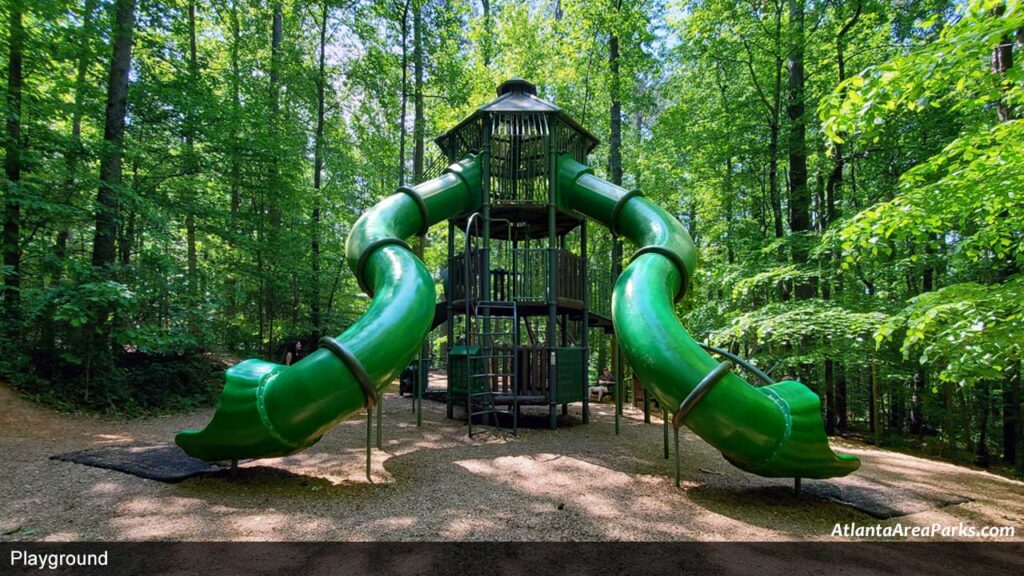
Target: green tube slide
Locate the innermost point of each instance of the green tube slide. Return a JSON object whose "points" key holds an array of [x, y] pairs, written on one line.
{"points": [[775, 430], [268, 410]]}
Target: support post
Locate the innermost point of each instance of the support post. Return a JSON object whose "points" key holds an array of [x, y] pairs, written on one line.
{"points": [[694, 398], [422, 377], [424, 363], [369, 442], [551, 340], [678, 455], [647, 404], [616, 354], [234, 468], [664, 431], [796, 486], [449, 294], [586, 321], [380, 420]]}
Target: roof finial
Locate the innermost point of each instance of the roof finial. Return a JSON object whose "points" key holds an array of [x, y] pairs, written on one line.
{"points": [[516, 85]]}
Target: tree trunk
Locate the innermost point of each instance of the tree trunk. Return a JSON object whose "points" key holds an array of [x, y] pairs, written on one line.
{"points": [[615, 121], [74, 152], [835, 178], [192, 171], [981, 454], [418, 128], [800, 197], [236, 101], [773, 177], [318, 167], [730, 196], [842, 413], [272, 206], [830, 398], [1011, 416], [1002, 62], [488, 34], [405, 93], [12, 170], [873, 399], [107, 199]]}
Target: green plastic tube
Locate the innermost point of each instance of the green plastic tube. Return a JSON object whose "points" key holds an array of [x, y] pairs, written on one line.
{"points": [[773, 431], [267, 409]]}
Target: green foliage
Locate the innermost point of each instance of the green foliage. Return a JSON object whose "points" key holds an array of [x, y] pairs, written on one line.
{"points": [[971, 331], [963, 201]]}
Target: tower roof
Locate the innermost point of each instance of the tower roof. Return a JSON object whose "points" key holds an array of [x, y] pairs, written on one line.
{"points": [[517, 95]]}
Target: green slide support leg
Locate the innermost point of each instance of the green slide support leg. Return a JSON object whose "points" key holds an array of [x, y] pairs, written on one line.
{"points": [[773, 431], [268, 410]]}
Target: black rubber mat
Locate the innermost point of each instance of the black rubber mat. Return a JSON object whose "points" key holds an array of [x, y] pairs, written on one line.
{"points": [[880, 501], [162, 462]]}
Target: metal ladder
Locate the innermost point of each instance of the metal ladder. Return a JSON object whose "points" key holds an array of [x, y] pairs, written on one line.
{"points": [[496, 363]]}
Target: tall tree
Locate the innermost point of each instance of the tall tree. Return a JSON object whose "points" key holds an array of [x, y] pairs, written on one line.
{"points": [[12, 170], [75, 149], [418, 129], [615, 108], [318, 168], [271, 205], [108, 197], [236, 107], [402, 131], [770, 98], [192, 169], [800, 197]]}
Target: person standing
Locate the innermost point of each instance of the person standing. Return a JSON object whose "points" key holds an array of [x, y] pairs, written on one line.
{"points": [[294, 354]]}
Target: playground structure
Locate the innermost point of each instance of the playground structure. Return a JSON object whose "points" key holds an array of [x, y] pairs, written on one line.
{"points": [[521, 292], [518, 187]]}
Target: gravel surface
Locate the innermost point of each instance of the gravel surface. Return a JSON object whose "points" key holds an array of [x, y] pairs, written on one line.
{"points": [[434, 483]]}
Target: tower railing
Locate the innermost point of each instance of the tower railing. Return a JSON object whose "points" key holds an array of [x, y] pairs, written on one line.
{"points": [[521, 274]]}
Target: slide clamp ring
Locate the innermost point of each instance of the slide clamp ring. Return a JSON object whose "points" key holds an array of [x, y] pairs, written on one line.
{"points": [[697, 394], [355, 366]]}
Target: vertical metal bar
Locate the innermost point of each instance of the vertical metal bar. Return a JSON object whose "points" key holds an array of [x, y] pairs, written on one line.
{"points": [[552, 285], [678, 456], [380, 420], [485, 257], [796, 486], [515, 370], [369, 442], [234, 468], [424, 362], [615, 385], [616, 355], [586, 322], [647, 404], [421, 383], [450, 297], [664, 431]]}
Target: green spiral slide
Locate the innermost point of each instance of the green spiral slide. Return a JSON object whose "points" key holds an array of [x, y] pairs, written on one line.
{"points": [[773, 431], [267, 409], [271, 410]]}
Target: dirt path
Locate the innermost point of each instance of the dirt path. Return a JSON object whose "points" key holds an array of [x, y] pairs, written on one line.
{"points": [[579, 483]]}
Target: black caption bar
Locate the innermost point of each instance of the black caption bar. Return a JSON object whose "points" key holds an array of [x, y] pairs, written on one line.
{"points": [[518, 558]]}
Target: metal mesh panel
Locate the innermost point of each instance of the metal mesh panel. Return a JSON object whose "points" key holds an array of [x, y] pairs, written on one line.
{"points": [[568, 140], [456, 145], [519, 161], [570, 374], [435, 165]]}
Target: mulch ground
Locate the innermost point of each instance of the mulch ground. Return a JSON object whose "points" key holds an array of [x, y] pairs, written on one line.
{"points": [[434, 483]]}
